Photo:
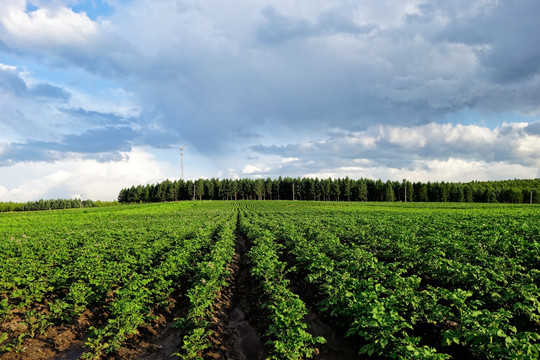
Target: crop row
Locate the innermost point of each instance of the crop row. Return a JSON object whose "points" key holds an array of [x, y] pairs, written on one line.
{"points": [[211, 275], [404, 281], [121, 265], [287, 329], [387, 280]]}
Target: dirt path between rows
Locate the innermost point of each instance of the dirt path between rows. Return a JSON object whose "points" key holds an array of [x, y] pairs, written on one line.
{"points": [[235, 335], [238, 323], [237, 327]]}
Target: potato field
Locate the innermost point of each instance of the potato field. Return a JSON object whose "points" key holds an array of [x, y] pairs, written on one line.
{"points": [[272, 280]]}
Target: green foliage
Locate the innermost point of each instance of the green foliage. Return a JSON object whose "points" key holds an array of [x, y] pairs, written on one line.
{"points": [[210, 276], [508, 191], [287, 331], [469, 273], [53, 204], [129, 258]]}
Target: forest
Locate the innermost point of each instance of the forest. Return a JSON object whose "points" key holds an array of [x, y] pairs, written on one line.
{"points": [[53, 204], [340, 189], [287, 188]]}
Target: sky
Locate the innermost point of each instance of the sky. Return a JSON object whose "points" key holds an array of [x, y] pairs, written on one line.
{"points": [[99, 95]]}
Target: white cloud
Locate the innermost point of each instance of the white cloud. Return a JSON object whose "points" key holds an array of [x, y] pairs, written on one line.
{"points": [[386, 13], [251, 169], [92, 179], [220, 77], [450, 170], [5, 67], [445, 151], [429, 134], [363, 161], [507, 142], [402, 136], [460, 170], [52, 26]]}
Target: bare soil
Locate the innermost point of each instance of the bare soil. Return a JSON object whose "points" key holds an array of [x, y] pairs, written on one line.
{"points": [[238, 326], [59, 342]]}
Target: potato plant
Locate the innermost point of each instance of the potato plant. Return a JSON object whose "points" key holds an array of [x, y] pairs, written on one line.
{"points": [[406, 281]]}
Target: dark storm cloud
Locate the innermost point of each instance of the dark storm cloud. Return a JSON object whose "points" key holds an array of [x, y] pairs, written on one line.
{"points": [[215, 79], [103, 144], [95, 117], [533, 128], [12, 83], [100, 140], [509, 30], [330, 71], [248, 135], [277, 28], [49, 91], [29, 151]]}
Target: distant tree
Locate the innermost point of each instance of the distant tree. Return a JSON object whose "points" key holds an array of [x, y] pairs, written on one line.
{"points": [[286, 188], [209, 189], [361, 187], [423, 193], [269, 188], [144, 194], [408, 191], [133, 195], [389, 192], [326, 187], [162, 191], [217, 190], [259, 188], [380, 190], [169, 190], [510, 191], [234, 189], [335, 190], [460, 193], [190, 190], [443, 190], [122, 196], [276, 187], [317, 189], [516, 195], [467, 193], [346, 188], [199, 188]]}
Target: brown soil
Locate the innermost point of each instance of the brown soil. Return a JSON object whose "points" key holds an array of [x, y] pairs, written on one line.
{"points": [[161, 339], [238, 323], [238, 326], [59, 342]]}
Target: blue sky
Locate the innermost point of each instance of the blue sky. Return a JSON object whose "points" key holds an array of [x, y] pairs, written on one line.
{"points": [[99, 95]]}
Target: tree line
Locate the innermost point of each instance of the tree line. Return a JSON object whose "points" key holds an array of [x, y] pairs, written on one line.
{"points": [[287, 188], [53, 204], [340, 189]]}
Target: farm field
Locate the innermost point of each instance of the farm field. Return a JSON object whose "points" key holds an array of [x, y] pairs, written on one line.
{"points": [[279, 280]]}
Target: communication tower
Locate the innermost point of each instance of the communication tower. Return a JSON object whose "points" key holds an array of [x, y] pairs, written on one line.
{"points": [[182, 162]]}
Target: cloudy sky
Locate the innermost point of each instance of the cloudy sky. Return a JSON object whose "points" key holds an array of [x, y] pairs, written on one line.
{"points": [[97, 95]]}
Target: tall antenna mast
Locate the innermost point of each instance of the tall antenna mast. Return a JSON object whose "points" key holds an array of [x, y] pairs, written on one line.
{"points": [[182, 162]]}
